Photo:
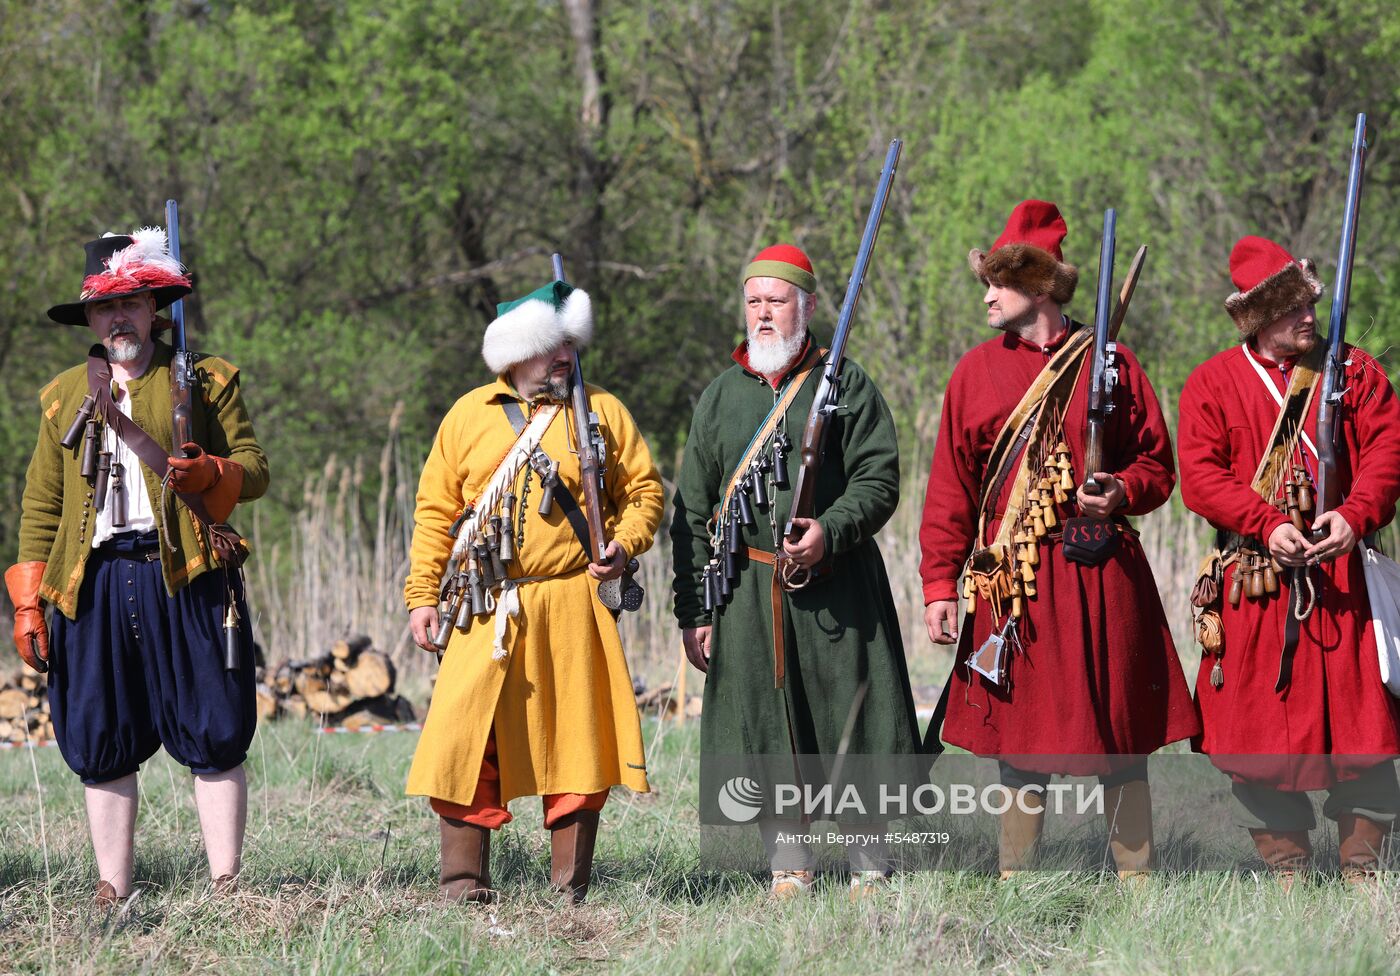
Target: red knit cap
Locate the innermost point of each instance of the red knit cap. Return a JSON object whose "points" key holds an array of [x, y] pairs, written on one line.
{"points": [[1270, 283], [1257, 258], [785, 262], [1035, 222], [1027, 255]]}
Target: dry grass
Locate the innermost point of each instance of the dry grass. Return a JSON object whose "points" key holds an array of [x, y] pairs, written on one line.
{"points": [[341, 569], [341, 869]]}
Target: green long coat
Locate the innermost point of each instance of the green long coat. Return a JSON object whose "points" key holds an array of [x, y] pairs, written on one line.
{"points": [[841, 630]]}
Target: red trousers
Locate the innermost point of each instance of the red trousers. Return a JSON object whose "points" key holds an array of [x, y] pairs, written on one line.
{"points": [[487, 810]]}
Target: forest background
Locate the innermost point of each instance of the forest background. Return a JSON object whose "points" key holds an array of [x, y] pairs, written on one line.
{"points": [[361, 181]]}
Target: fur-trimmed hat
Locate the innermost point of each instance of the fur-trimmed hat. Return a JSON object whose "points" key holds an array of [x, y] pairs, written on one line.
{"points": [[533, 325], [126, 264], [1269, 284], [1027, 255], [785, 262]]}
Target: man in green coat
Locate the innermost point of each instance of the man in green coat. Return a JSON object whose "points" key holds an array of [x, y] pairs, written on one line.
{"points": [[790, 689]]}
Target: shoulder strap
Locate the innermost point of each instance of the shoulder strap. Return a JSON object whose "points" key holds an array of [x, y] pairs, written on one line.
{"points": [[142, 444], [1293, 410], [567, 503], [770, 422], [1016, 433]]}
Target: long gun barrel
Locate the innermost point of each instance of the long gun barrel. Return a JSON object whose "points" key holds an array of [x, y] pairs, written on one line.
{"points": [[1328, 489], [1103, 374], [585, 426], [824, 404], [182, 378]]}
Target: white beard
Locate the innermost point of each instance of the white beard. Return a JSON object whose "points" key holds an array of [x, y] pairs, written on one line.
{"points": [[772, 357]]}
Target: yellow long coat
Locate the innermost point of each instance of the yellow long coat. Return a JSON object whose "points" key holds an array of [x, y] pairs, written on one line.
{"points": [[561, 702]]}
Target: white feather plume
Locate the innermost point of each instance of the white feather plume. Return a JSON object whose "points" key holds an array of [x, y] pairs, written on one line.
{"points": [[148, 247]]}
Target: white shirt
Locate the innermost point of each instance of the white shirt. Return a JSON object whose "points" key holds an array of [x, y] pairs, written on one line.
{"points": [[140, 515]]}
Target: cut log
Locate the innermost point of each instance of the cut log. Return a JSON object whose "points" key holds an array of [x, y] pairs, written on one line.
{"points": [[350, 648], [13, 703], [267, 703], [327, 702], [371, 676], [295, 707]]}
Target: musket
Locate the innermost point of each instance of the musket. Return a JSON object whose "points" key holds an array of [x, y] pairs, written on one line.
{"points": [[814, 434], [182, 378], [182, 384], [622, 593], [1103, 374], [1328, 488]]}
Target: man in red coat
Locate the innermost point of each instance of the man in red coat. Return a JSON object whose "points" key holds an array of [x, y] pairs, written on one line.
{"points": [[1319, 717], [1061, 667]]}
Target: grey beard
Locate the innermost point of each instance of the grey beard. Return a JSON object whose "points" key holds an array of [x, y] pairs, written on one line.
{"points": [[123, 348], [773, 356]]}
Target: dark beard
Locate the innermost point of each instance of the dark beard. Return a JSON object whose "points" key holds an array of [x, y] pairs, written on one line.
{"points": [[1019, 324], [553, 389]]}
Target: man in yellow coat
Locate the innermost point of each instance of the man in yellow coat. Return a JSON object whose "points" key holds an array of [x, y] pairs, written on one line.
{"points": [[534, 696]]}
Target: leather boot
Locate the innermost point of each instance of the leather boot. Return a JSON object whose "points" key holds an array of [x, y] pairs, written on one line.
{"points": [[1286, 853], [466, 862], [1020, 833], [1361, 843], [1128, 811], [571, 841]]}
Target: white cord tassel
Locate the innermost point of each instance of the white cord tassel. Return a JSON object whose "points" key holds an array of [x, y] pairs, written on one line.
{"points": [[504, 477]]}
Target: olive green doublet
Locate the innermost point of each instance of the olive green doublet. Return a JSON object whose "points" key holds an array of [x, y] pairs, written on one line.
{"points": [[58, 517], [842, 629]]}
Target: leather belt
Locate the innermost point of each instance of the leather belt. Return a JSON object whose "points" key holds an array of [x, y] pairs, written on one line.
{"points": [[779, 630]]}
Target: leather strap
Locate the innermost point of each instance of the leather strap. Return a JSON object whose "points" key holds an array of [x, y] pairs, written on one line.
{"points": [[1268, 476], [1040, 404], [567, 503], [1292, 627], [1016, 432], [1289, 423], [770, 422], [142, 444], [779, 626]]}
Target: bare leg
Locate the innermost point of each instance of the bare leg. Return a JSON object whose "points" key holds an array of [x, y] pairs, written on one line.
{"points": [[222, 802], [111, 810]]}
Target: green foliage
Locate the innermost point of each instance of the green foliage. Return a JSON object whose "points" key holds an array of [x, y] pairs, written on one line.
{"points": [[361, 182]]}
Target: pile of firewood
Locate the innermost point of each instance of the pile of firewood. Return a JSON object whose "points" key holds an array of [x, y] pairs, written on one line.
{"points": [[351, 686], [667, 701], [24, 708]]}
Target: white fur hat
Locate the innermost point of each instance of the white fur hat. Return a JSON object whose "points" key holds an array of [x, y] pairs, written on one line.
{"points": [[533, 325]]}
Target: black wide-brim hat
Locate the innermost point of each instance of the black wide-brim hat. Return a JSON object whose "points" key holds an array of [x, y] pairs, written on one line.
{"points": [[119, 265]]}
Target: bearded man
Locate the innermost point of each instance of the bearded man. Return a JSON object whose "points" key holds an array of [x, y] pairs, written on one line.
{"points": [[538, 700], [1294, 699], [784, 669], [1061, 666], [136, 655]]}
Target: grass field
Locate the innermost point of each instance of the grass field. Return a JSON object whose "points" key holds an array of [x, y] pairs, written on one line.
{"points": [[340, 877]]}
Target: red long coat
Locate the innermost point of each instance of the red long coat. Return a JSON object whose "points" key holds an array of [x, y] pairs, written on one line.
{"points": [[1335, 703], [1099, 674]]}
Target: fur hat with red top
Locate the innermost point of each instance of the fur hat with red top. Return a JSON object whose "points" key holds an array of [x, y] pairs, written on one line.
{"points": [[1027, 255], [785, 262], [1270, 283], [126, 264]]}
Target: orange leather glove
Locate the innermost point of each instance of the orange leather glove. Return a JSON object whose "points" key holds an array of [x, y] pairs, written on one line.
{"points": [[31, 635], [218, 480]]}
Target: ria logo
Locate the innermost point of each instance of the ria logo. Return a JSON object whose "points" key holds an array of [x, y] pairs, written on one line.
{"points": [[740, 799]]}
